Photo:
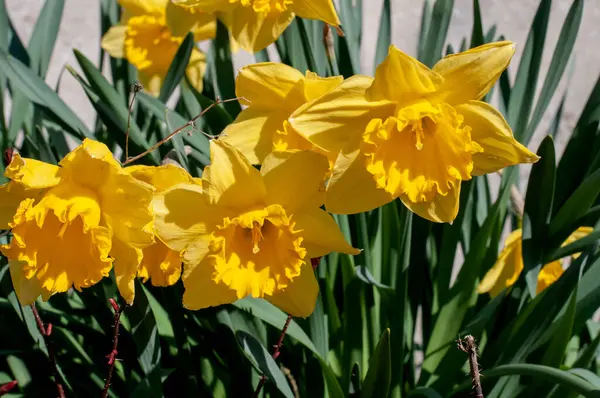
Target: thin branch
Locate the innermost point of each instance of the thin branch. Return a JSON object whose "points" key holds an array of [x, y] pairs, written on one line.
{"points": [[179, 130], [112, 357], [276, 353], [6, 388], [468, 346], [46, 332], [137, 87]]}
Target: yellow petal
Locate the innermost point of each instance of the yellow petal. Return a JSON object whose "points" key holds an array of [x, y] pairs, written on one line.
{"points": [[493, 134], [126, 261], [27, 290], [196, 69], [160, 177], [207, 5], [322, 10], [254, 31], [507, 268], [579, 233], [32, 173], [270, 85], [315, 86], [402, 78], [339, 116], [201, 291], [471, 74], [321, 234], [252, 132], [306, 169], [160, 264], [182, 216], [181, 20], [150, 83], [113, 42], [548, 275], [11, 195], [139, 7], [352, 189], [231, 180], [300, 297], [443, 208]]}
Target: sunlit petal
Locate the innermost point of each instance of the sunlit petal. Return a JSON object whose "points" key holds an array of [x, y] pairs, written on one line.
{"points": [[126, 261], [300, 297], [113, 42], [270, 85], [442, 208], [201, 291], [322, 10], [32, 173], [507, 268]]}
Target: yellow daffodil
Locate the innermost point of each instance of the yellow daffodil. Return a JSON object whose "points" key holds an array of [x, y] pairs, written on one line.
{"points": [[273, 91], [249, 232], [149, 34], [71, 222], [413, 132], [509, 265], [254, 24], [159, 263]]}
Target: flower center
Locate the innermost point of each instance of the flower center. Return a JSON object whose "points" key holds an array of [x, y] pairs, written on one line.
{"points": [[420, 152], [266, 6], [257, 253], [149, 44]]}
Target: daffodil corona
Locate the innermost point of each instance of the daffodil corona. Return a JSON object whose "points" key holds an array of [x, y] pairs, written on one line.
{"points": [[254, 24], [413, 132], [250, 233], [509, 265], [149, 35], [273, 91], [70, 223]]}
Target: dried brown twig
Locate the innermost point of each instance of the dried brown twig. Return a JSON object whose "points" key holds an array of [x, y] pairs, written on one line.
{"points": [[46, 332], [468, 346], [112, 357]]}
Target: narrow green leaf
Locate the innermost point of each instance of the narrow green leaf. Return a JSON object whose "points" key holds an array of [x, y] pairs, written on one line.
{"points": [[377, 380], [424, 30], [222, 65], [562, 334], [260, 358], [437, 32], [384, 38], [560, 59], [306, 45], [576, 247], [43, 38], [477, 38], [177, 69], [424, 392]]}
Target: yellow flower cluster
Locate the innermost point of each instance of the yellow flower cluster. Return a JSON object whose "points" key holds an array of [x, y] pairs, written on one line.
{"points": [[351, 145]]}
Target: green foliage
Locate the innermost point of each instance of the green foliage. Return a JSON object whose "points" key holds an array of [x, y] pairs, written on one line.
{"points": [[366, 337]]}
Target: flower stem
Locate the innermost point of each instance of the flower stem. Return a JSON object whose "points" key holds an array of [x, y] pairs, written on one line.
{"points": [[468, 346], [112, 357], [46, 332]]}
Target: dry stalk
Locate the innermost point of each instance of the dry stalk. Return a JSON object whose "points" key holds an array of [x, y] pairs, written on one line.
{"points": [[468, 346]]}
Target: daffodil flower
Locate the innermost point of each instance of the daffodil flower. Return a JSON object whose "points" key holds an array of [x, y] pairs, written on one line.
{"points": [[509, 265], [159, 263], [251, 233], [254, 24], [413, 132], [149, 35], [71, 222], [273, 91]]}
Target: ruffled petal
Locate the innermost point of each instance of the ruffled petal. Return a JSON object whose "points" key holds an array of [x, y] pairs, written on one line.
{"points": [[126, 261], [271, 86], [352, 189], [321, 10], [339, 116], [471, 74], [306, 169], [255, 31], [443, 208], [493, 134], [201, 291], [230, 180], [252, 132], [160, 264], [321, 235], [11, 196], [113, 42], [403, 79], [32, 173], [182, 216], [27, 290], [139, 7], [300, 297]]}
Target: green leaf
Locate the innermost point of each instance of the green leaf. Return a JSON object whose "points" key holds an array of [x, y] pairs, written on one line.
{"points": [[562, 334], [424, 392], [384, 38], [260, 358], [538, 210], [524, 89], [177, 69], [377, 380], [44, 36], [37, 91], [576, 247], [221, 64], [560, 59], [437, 32], [477, 38]]}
